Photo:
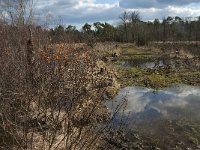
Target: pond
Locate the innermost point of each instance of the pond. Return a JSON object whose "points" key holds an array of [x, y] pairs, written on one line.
{"points": [[152, 64], [167, 116], [148, 104]]}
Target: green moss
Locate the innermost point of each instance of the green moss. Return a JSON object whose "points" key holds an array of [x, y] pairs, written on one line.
{"points": [[132, 50], [161, 80], [118, 62], [153, 78], [133, 57], [131, 53], [190, 77], [149, 78]]}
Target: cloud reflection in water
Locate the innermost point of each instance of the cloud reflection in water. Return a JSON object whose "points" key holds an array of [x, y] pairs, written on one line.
{"points": [[144, 103]]}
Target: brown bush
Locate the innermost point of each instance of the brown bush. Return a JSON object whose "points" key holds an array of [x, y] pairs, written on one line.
{"points": [[50, 95]]}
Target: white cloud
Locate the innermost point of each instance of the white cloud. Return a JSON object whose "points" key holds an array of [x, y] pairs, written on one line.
{"points": [[76, 11], [152, 13], [82, 11], [142, 99], [154, 3]]}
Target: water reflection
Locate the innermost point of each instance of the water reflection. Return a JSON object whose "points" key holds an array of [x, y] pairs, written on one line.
{"points": [[163, 63], [152, 64], [172, 103]]}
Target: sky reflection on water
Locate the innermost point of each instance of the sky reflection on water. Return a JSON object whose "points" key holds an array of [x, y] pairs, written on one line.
{"points": [[173, 102]]}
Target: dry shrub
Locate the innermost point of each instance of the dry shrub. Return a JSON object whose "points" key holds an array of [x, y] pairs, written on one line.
{"points": [[51, 96], [107, 49]]}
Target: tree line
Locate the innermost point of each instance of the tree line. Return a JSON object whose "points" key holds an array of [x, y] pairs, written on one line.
{"points": [[131, 29]]}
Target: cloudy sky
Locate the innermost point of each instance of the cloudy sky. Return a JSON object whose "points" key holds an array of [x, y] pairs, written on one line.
{"points": [[77, 12]]}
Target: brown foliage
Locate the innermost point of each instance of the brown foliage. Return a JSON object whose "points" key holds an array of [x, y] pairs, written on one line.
{"points": [[50, 95]]}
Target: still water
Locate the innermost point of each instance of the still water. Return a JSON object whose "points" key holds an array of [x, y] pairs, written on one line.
{"points": [[168, 119], [143, 104], [148, 64]]}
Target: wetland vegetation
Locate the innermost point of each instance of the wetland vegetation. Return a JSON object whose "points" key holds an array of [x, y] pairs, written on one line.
{"points": [[145, 67], [161, 91], [133, 86]]}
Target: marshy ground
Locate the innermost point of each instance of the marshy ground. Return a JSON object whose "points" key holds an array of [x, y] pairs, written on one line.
{"points": [[154, 69], [158, 117]]}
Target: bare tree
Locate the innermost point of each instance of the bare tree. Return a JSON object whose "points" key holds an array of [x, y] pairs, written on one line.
{"points": [[19, 12], [125, 18], [134, 18]]}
